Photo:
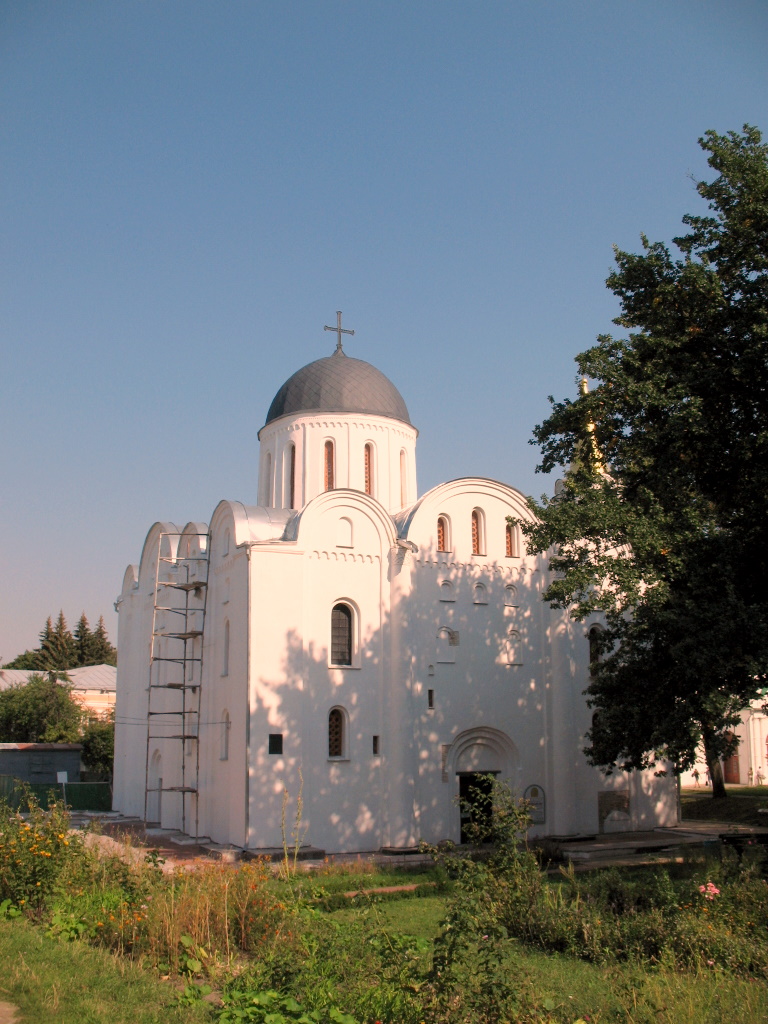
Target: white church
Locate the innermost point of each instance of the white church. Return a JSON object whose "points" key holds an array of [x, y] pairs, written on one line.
{"points": [[348, 642]]}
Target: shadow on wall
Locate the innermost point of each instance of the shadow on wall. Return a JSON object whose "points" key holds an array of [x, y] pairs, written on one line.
{"points": [[380, 742]]}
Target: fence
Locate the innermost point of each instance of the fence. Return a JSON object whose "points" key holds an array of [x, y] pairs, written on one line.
{"points": [[79, 796]]}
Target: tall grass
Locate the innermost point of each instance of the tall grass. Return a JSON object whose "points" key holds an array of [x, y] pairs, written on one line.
{"points": [[510, 942]]}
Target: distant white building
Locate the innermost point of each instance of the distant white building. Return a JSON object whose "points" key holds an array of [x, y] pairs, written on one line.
{"points": [[381, 647], [748, 766]]}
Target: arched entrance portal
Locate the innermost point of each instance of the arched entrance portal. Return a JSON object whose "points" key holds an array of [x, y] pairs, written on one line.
{"points": [[474, 755]]}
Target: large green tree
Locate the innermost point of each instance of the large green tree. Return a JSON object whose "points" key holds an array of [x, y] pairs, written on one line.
{"points": [[660, 521], [42, 710]]}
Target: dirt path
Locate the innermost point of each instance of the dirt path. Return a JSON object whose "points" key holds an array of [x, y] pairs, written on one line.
{"points": [[8, 1014]]}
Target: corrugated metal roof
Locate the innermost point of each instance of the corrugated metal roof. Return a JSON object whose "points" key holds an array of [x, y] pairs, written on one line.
{"points": [[91, 677]]}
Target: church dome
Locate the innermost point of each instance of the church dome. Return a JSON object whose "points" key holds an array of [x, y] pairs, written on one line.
{"points": [[339, 384]]}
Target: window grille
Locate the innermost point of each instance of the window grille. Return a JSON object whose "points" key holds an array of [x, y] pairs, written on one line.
{"points": [[475, 533], [329, 476], [341, 635], [441, 531], [511, 552], [335, 733], [369, 469]]}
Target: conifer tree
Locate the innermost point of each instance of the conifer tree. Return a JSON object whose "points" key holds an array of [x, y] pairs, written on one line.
{"points": [[84, 642], [57, 649], [103, 651]]}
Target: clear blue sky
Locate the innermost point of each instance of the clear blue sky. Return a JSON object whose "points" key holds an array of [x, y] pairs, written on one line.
{"points": [[190, 190]]}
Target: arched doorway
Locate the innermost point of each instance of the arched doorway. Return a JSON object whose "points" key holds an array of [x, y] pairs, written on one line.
{"points": [[473, 756]]}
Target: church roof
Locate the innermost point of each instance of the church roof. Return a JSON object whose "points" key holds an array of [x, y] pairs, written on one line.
{"points": [[339, 384]]}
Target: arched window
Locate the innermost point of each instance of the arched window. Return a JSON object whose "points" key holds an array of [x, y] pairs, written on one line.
{"points": [[445, 647], [478, 532], [268, 480], [341, 635], [292, 476], [511, 541], [513, 647], [336, 733], [403, 481], [479, 594], [443, 533], [225, 652], [224, 738], [369, 468], [446, 591], [595, 654], [329, 466], [510, 596]]}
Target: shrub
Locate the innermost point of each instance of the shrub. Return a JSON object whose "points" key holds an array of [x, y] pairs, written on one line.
{"points": [[34, 849]]}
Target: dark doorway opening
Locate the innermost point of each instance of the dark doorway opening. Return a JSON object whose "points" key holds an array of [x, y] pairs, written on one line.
{"points": [[475, 805], [731, 766]]}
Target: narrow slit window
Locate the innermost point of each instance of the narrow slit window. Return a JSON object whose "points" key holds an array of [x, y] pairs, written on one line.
{"points": [[442, 534], [403, 481], [336, 733], [292, 477], [510, 541], [431, 699], [475, 533], [329, 467], [594, 649], [375, 746], [369, 469]]}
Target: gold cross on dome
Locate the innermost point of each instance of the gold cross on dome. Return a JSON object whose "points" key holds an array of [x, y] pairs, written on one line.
{"points": [[339, 330]]}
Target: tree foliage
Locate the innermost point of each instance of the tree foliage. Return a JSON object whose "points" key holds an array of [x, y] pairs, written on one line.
{"points": [[99, 746], [61, 650], [659, 523], [42, 710]]}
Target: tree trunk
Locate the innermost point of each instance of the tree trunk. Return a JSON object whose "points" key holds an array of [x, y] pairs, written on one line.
{"points": [[713, 763]]}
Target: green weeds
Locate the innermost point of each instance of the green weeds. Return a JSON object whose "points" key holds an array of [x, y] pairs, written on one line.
{"points": [[501, 943]]}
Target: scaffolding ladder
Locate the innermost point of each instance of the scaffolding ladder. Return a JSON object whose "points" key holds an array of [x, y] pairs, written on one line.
{"points": [[176, 666]]}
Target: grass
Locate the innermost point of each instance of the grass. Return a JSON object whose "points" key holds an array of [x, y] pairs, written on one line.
{"points": [[563, 989], [72, 983], [340, 879], [633, 995], [413, 917], [740, 807], [498, 943]]}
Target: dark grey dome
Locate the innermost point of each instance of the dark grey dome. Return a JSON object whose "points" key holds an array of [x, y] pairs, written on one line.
{"points": [[339, 383]]}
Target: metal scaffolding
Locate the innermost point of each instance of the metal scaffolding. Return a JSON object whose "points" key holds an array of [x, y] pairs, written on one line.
{"points": [[176, 664]]}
